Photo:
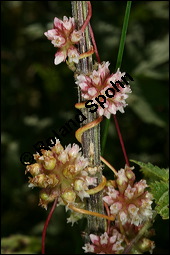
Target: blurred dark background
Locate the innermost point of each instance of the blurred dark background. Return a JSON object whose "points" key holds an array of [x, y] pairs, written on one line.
{"points": [[38, 96]]}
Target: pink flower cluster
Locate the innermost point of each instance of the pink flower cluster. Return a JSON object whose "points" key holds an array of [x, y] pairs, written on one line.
{"points": [[64, 36], [128, 200], [61, 173], [105, 244], [98, 82], [130, 204]]}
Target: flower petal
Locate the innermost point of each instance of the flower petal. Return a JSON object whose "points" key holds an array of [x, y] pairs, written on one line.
{"points": [[60, 56]]}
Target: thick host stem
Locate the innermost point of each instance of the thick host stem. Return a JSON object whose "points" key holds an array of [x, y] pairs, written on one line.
{"points": [[91, 137]]}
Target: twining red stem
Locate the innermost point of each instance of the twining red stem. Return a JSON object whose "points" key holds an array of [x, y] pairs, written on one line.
{"points": [[88, 17], [94, 44], [108, 221], [46, 225], [121, 140]]}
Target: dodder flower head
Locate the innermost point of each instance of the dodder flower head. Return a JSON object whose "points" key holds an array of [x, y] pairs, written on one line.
{"points": [[64, 36], [105, 244], [61, 173], [128, 200], [98, 83]]}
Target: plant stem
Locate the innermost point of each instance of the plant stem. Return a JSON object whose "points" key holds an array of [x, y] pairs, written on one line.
{"points": [[118, 64], [91, 137], [46, 225]]}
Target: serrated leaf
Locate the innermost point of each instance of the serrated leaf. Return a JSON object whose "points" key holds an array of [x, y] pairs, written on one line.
{"points": [[160, 191], [153, 171]]}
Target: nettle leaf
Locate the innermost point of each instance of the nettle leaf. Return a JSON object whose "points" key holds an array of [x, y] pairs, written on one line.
{"points": [[160, 192], [159, 186], [152, 171]]}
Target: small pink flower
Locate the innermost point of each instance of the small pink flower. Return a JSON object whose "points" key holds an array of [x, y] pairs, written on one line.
{"points": [[60, 56], [105, 244], [73, 55], [64, 36], [98, 83]]}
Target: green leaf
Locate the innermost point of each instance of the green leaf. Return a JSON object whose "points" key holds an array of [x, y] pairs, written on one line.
{"points": [[159, 186], [160, 191], [119, 62], [153, 171]]}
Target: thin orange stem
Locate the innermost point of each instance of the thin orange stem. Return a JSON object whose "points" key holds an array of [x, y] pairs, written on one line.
{"points": [[80, 131], [109, 165], [87, 54], [111, 218], [80, 105]]}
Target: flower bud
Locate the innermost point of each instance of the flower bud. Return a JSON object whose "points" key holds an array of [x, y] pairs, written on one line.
{"points": [[53, 181], [140, 186], [39, 181], [122, 180], [63, 157], [69, 172], [58, 148], [146, 245], [45, 199], [69, 196], [78, 184], [34, 169], [50, 163], [73, 151], [44, 196], [130, 175]]}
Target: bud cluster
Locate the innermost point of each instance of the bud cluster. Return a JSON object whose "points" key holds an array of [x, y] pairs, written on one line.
{"points": [[61, 173]]}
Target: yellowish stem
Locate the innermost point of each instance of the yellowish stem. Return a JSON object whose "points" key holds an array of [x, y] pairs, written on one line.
{"points": [[111, 218], [80, 131], [98, 188], [109, 165], [87, 54]]}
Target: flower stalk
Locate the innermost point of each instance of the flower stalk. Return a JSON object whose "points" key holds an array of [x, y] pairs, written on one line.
{"points": [[91, 137]]}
